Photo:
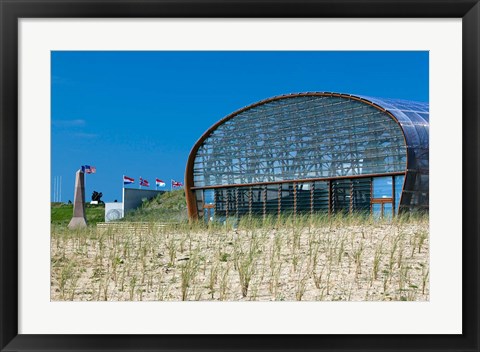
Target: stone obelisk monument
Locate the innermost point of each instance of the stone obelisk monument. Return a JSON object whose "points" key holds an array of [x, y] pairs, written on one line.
{"points": [[79, 220]]}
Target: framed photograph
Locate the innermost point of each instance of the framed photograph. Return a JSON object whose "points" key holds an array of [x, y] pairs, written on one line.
{"points": [[239, 176]]}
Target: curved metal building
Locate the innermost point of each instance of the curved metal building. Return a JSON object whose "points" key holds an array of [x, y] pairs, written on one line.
{"points": [[312, 152]]}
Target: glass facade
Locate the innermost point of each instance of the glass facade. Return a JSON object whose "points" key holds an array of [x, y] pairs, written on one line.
{"points": [[398, 190], [413, 117], [301, 138], [313, 152]]}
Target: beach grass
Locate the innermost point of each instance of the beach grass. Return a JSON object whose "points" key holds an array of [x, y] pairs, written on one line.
{"points": [[287, 258]]}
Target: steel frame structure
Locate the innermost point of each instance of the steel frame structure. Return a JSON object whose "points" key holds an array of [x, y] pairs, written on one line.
{"points": [[298, 140]]}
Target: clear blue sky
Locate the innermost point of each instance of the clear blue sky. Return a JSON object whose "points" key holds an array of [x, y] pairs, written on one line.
{"points": [[139, 113]]}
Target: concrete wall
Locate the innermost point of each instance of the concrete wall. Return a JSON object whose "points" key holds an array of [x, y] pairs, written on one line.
{"points": [[133, 198]]}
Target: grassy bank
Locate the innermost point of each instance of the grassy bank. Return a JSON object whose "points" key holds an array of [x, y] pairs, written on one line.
{"points": [[302, 258], [167, 207], [61, 214]]}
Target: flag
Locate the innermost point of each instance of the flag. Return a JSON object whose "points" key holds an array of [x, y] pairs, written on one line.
{"points": [[144, 182], [159, 183], [176, 184], [128, 180], [89, 169]]}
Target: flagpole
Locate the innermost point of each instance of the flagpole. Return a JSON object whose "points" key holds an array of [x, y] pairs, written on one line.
{"points": [[123, 201], [84, 179], [60, 189]]}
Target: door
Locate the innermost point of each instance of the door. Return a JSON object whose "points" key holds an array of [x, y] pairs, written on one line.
{"points": [[208, 205], [382, 198], [208, 212]]}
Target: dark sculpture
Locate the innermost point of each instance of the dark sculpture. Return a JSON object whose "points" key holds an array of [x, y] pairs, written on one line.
{"points": [[96, 196]]}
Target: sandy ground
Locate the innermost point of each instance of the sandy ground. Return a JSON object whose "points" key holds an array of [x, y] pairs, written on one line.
{"points": [[365, 262]]}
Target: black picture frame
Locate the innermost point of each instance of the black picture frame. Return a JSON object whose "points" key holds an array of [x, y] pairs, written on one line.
{"points": [[11, 11]]}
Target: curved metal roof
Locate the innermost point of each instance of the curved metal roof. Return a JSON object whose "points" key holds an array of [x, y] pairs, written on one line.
{"points": [[412, 116]]}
